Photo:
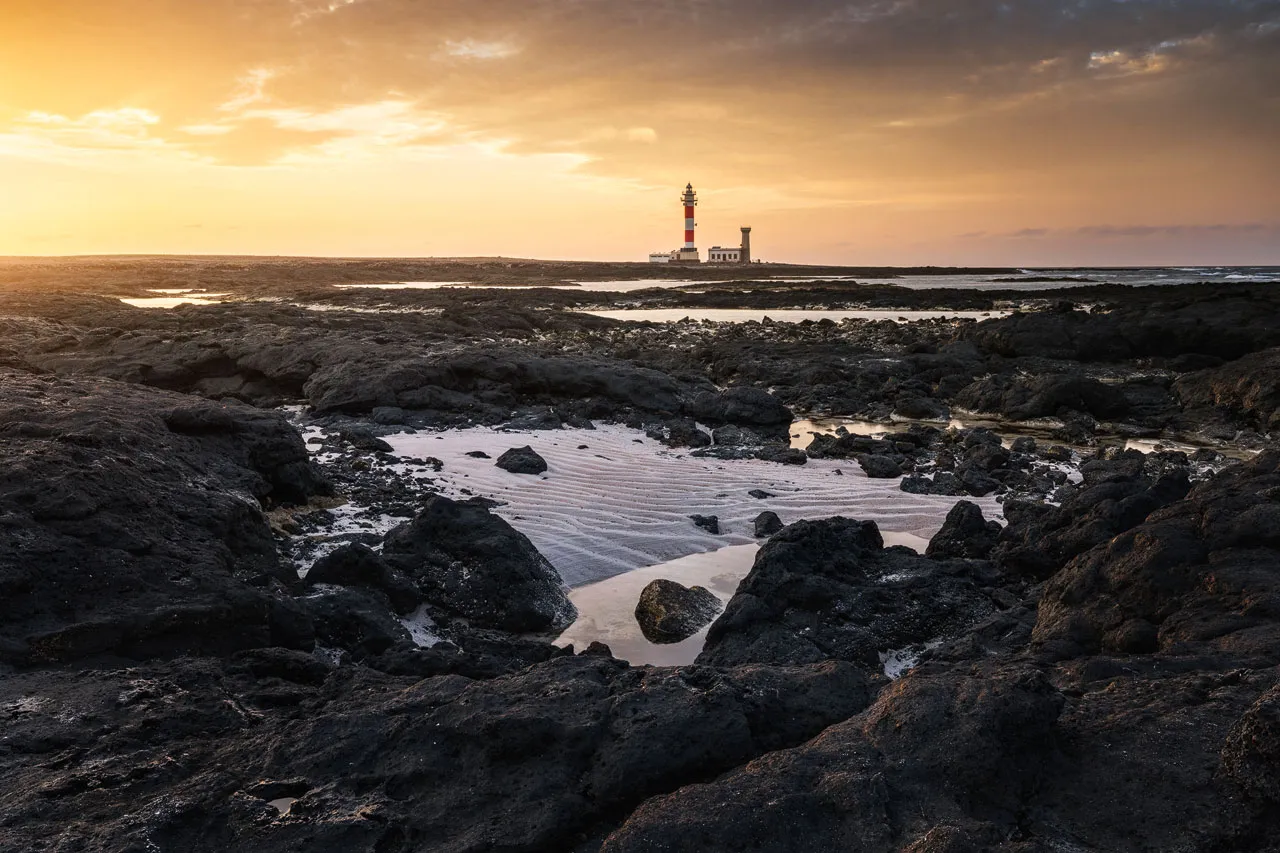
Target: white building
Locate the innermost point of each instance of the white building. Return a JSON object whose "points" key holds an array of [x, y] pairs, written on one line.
{"points": [[722, 255]]}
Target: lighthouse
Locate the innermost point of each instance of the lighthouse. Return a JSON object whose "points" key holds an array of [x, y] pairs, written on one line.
{"points": [[689, 254]]}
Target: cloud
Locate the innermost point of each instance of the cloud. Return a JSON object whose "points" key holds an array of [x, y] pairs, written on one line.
{"points": [[125, 127], [473, 49], [1132, 232], [1140, 231], [960, 116]]}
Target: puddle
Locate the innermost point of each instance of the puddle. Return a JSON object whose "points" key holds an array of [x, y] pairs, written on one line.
{"points": [[613, 500], [173, 301], [606, 609], [283, 805]]}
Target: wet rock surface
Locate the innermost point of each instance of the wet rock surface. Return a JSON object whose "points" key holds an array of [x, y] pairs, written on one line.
{"points": [[1100, 673], [669, 612]]}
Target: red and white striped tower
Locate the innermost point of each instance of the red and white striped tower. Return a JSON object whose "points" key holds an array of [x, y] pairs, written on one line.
{"points": [[690, 199]]}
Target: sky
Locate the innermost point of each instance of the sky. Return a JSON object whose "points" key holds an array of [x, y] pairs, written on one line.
{"points": [[906, 132]]}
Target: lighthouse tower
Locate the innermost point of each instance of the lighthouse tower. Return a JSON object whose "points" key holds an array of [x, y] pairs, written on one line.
{"points": [[689, 254]]}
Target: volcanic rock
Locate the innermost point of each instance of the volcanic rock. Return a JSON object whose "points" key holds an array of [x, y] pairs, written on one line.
{"points": [[522, 460], [709, 523], [767, 523], [964, 533], [986, 731], [473, 563], [1028, 397], [1200, 571], [739, 405], [1115, 495], [134, 522], [879, 466], [829, 589], [356, 565], [668, 612]]}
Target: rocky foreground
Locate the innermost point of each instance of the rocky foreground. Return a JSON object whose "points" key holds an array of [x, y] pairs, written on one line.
{"points": [[1101, 673]]}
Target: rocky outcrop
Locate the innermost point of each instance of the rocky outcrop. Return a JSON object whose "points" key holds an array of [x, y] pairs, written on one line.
{"points": [[522, 460], [465, 378], [830, 589], [356, 565], [134, 522], [668, 612], [1027, 397], [879, 466], [964, 533], [472, 563], [1118, 491], [1197, 573], [536, 760], [986, 732], [740, 405], [1245, 392]]}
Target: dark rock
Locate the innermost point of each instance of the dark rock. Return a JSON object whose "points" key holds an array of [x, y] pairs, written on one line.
{"points": [[880, 466], [1048, 395], [976, 482], [364, 440], [680, 432], [921, 409], [767, 523], [478, 454], [133, 522], [493, 764], [1246, 392], [471, 562], [760, 494], [1023, 444], [357, 565], [1199, 571], [668, 612], [942, 483], [522, 460], [1251, 754], [829, 589], [782, 455], [388, 415], [987, 733], [355, 619], [732, 435], [740, 405], [965, 533], [1115, 496], [709, 523]]}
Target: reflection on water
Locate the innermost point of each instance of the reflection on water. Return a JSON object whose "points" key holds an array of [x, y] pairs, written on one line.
{"points": [[803, 431], [747, 315], [173, 301]]}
